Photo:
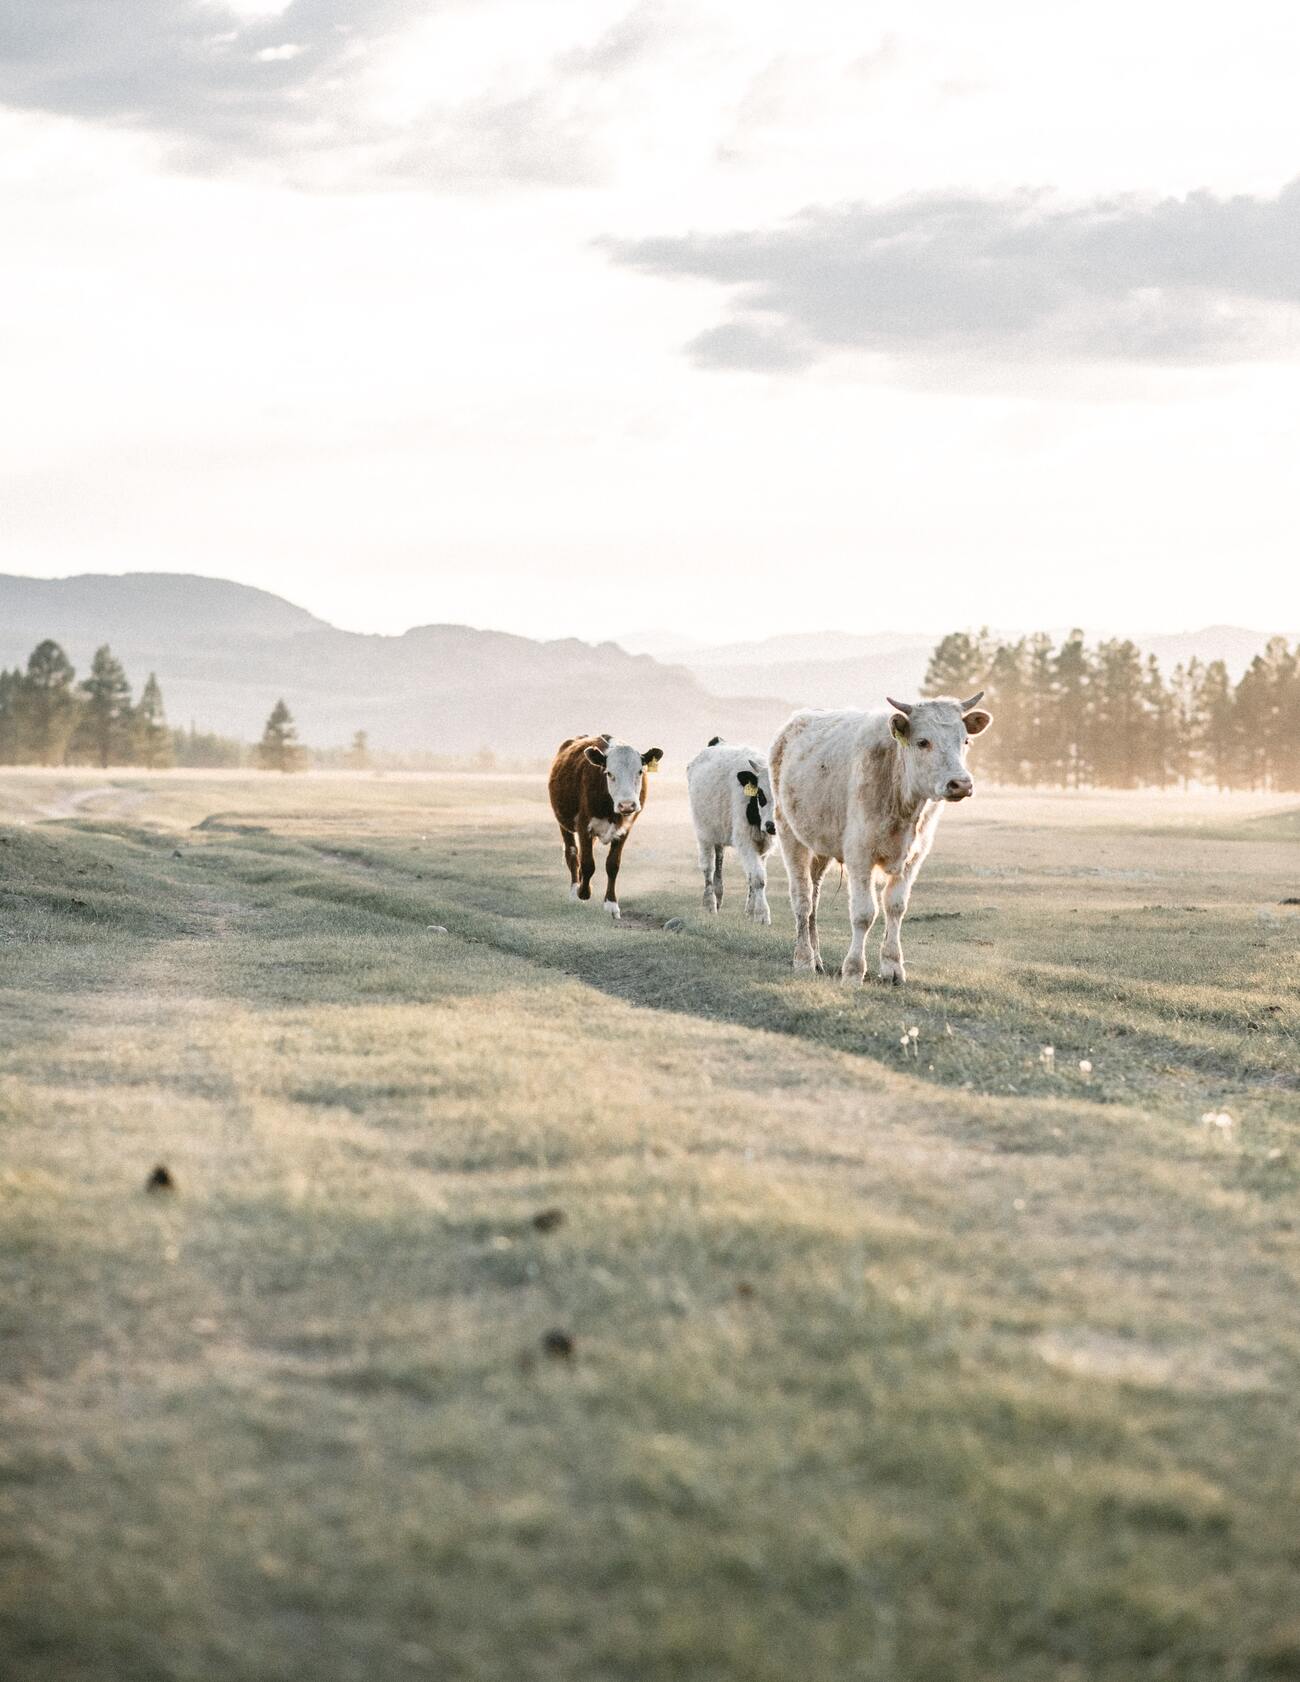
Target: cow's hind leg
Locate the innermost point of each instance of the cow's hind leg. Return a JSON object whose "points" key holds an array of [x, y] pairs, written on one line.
{"points": [[706, 865], [799, 863], [863, 908], [612, 861], [571, 859], [586, 863], [717, 876], [820, 862], [756, 876]]}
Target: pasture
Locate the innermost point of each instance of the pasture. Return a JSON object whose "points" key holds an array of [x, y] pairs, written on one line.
{"points": [[887, 1356]]}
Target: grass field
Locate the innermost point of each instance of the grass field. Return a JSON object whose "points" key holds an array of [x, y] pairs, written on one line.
{"points": [[881, 1363]]}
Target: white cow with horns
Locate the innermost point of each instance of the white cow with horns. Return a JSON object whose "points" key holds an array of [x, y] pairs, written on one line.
{"points": [[866, 788], [731, 806]]}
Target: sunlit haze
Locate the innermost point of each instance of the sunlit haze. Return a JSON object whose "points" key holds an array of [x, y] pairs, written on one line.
{"points": [[590, 317]]}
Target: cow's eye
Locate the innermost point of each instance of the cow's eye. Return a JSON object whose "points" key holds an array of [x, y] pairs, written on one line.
{"points": [[923, 744]]}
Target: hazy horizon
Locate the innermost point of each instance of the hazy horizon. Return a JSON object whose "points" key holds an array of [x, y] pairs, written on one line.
{"points": [[662, 640]]}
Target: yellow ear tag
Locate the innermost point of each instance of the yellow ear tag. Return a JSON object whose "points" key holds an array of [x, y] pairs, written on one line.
{"points": [[751, 789]]}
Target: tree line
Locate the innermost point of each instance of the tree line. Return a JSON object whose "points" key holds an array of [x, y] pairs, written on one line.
{"points": [[1074, 716], [1068, 716], [48, 718]]}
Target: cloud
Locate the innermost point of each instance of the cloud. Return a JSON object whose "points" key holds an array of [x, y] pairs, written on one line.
{"points": [[236, 84], [964, 276]]}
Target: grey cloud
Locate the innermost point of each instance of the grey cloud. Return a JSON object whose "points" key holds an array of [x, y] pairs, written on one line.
{"points": [[1182, 281], [223, 92], [641, 30]]}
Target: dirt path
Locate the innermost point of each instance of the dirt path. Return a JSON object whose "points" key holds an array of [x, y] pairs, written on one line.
{"points": [[78, 803]]}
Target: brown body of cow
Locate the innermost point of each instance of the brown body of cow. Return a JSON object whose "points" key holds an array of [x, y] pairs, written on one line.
{"points": [[590, 806]]}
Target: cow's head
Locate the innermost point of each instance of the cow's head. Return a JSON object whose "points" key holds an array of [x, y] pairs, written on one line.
{"points": [[932, 737], [756, 788], [624, 768]]}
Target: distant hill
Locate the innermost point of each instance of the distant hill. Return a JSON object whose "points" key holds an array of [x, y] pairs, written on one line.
{"points": [[224, 652], [140, 609]]}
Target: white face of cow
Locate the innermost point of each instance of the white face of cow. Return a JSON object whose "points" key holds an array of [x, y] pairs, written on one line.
{"points": [[933, 736], [623, 768], [756, 792]]}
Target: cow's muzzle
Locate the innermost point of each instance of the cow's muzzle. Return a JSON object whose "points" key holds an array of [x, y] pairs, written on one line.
{"points": [[959, 788], [628, 808]]}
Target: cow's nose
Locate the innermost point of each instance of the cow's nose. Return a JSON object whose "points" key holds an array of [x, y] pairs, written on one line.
{"points": [[770, 828], [960, 787], [627, 807]]}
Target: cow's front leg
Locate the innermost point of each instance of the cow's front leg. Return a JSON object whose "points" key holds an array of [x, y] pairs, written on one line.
{"points": [[586, 863], [798, 868], [710, 901], [863, 908], [612, 861], [897, 892]]}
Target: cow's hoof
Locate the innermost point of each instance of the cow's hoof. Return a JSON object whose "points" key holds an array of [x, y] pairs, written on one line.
{"points": [[852, 977], [761, 915], [573, 891], [710, 904], [892, 974], [611, 905]]}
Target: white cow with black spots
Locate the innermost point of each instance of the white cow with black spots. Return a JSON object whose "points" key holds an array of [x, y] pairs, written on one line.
{"points": [[731, 806]]}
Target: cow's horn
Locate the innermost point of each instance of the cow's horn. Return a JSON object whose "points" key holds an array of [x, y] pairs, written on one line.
{"points": [[974, 701], [904, 707]]}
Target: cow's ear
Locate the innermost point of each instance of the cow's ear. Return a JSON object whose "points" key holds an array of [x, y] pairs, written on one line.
{"points": [[900, 727], [976, 721], [746, 780], [595, 757], [651, 757]]}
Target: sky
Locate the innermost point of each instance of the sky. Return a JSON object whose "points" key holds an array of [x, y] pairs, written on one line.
{"points": [[581, 317]]}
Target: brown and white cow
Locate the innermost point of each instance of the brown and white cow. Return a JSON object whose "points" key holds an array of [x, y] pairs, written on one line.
{"points": [[598, 788], [867, 788]]}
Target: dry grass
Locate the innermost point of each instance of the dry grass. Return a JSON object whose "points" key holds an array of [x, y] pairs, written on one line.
{"points": [[887, 1365]]}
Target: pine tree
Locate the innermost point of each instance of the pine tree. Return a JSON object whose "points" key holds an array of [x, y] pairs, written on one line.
{"points": [[48, 704], [1044, 745], [1118, 715], [1010, 747], [154, 746], [1071, 684], [959, 665], [1155, 764], [279, 750], [359, 752], [104, 729], [1214, 707], [12, 744], [1187, 727]]}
